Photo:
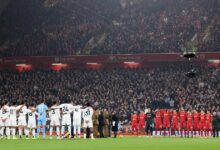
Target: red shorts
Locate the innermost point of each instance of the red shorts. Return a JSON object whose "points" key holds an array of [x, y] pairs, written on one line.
{"points": [[175, 125], [142, 125], [158, 125], [182, 124], [189, 126], [201, 126], [195, 126], [166, 124], [208, 126], [134, 126]]}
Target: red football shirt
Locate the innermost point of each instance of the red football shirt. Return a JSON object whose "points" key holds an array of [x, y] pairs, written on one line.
{"points": [[158, 117], [208, 118], [189, 118], [175, 118], [134, 119], [166, 117], [202, 118], [182, 116], [142, 118], [196, 118]]}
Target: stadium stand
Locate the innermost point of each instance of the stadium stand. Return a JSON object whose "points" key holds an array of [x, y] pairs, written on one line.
{"points": [[124, 90], [74, 27]]}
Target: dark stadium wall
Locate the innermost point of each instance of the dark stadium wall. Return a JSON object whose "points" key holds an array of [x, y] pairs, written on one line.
{"points": [[104, 61], [165, 57], [57, 67], [3, 5]]}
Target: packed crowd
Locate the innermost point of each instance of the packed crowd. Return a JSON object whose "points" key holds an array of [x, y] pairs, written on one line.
{"points": [[122, 90], [67, 27]]}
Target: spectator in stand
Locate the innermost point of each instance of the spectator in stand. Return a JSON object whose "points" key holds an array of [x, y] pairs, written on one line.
{"points": [[122, 90], [67, 27]]}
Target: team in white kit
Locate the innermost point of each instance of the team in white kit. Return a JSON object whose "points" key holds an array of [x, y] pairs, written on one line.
{"points": [[13, 117]]}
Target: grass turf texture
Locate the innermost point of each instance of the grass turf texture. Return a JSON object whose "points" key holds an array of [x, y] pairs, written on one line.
{"points": [[126, 143]]}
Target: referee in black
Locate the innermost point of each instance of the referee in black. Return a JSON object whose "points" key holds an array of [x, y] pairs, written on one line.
{"points": [[216, 124], [149, 122]]}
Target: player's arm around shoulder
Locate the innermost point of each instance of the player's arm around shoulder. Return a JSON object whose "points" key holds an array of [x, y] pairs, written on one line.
{"points": [[56, 107]]}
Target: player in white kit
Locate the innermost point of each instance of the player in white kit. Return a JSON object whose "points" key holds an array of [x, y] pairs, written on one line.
{"points": [[66, 117], [32, 125], [77, 117], [1, 128], [22, 123], [13, 118], [54, 115], [5, 119], [87, 120]]}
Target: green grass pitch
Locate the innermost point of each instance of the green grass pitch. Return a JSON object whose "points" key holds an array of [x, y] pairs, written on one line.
{"points": [[125, 143]]}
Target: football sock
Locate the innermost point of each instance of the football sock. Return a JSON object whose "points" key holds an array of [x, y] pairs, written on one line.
{"points": [[79, 132], [33, 132], [13, 132], [58, 131], [26, 132], [69, 130], [44, 132], [38, 132], [62, 130], [91, 135], [51, 131], [8, 132], [20, 132], [74, 130], [1, 131]]}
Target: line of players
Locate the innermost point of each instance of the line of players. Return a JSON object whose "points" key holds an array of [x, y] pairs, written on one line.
{"points": [[182, 123], [29, 119]]}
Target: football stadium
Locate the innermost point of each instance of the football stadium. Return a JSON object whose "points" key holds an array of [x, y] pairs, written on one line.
{"points": [[109, 74]]}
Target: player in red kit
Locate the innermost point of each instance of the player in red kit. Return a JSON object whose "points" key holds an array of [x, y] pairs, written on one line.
{"points": [[142, 118], [195, 122], [208, 121], [189, 123], [182, 116], [134, 123], [202, 123], [158, 121], [174, 122], [166, 122]]}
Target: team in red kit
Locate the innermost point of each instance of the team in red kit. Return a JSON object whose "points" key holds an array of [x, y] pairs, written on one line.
{"points": [[176, 123], [138, 123]]}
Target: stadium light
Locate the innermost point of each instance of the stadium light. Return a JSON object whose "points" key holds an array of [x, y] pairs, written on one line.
{"points": [[214, 60], [58, 64], [92, 63], [130, 62], [21, 65]]}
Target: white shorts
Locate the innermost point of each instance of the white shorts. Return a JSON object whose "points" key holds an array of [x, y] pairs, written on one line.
{"points": [[22, 121], [6, 123], [55, 122], [88, 124], [66, 120], [77, 122], [13, 122], [32, 124]]}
